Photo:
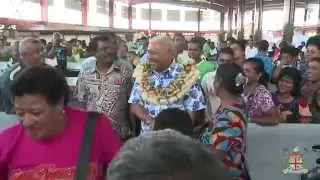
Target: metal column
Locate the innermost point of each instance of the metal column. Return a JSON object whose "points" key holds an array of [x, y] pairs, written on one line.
{"points": [[199, 20], [130, 15], [253, 22], [230, 18], [84, 12], [259, 9], [289, 9], [44, 10], [111, 13], [149, 18], [242, 11], [318, 28], [306, 4], [222, 21]]}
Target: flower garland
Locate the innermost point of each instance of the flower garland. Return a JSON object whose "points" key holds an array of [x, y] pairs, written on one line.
{"points": [[175, 91]]}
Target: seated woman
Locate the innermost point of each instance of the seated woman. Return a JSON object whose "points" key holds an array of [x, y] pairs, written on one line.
{"points": [[293, 108], [227, 137], [46, 143], [260, 107], [174, 119]]}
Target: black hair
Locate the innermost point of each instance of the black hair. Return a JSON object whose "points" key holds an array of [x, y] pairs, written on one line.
{"points": [[241, 44], [295, 76], [262, 45], [227, 74], [314, 40], [105, 38], [291, 50], [198, 40], [43, 80], [178, 35], [259, 68], [231, 39], [175, 119], [227, 50], [143, 38], [283, 44], [43, 41]]}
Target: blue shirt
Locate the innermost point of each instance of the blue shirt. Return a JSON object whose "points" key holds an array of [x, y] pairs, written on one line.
{"points": [[267, 62], [192, 101]]}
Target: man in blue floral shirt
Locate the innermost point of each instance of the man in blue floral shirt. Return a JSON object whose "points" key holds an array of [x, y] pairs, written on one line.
{"points": [[162, 84]]}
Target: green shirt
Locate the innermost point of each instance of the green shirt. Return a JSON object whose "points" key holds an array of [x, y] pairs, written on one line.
{"points": [[204, 67]]}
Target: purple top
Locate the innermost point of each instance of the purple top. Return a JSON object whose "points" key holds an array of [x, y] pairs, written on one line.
{"points": [[259, 102]]}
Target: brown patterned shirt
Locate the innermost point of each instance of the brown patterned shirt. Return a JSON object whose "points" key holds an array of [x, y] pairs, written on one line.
{"points": [[108, 93]]}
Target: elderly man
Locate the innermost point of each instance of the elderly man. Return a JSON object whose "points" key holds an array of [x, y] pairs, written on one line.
{"points": [[161, 84], [31, 55], [106, 87], [166, 155]]}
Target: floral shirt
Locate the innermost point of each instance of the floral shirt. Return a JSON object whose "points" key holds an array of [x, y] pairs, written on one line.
{"points": [[228, 135], [259, 102], [192, 101], [108, 93]]}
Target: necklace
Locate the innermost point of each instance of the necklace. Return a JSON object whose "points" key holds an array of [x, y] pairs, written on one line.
{"points": [[176, 90]]}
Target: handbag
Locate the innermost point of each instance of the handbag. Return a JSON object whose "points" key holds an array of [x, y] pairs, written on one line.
{"points": [[83, 160]]}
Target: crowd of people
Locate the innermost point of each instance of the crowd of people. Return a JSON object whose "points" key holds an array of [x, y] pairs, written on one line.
{"points": [[206, 92]]}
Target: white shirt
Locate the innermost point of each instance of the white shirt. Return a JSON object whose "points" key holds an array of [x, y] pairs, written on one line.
{"points": [[213, 101], [183, 58], [251, 52]]}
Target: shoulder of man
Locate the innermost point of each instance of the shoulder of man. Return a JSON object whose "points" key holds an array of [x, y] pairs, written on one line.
{"points": [[125, 67], [12, 71]]}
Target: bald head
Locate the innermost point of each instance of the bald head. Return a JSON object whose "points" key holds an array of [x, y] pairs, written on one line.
{"points": [[30, 51], [164, 40], [161, 52]]}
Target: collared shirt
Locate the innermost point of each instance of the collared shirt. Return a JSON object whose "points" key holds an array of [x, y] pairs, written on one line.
{"points": [[204, 67], [9, 64], [6, 80], [251, 52], [183, 58], [192, 101], [108, 93]]}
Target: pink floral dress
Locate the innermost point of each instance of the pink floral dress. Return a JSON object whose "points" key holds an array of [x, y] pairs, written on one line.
{"points": [[259, 102]]}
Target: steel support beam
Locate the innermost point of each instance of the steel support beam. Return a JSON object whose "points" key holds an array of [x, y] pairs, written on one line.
{"points": [[199, 20], [222, 21], [84, 12], [241, 12], [230, 19], [289, 9], [259, 14], [130, 15], [44, 10], [150, 17], [111, 13], [318, 28], [306, 4]]}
